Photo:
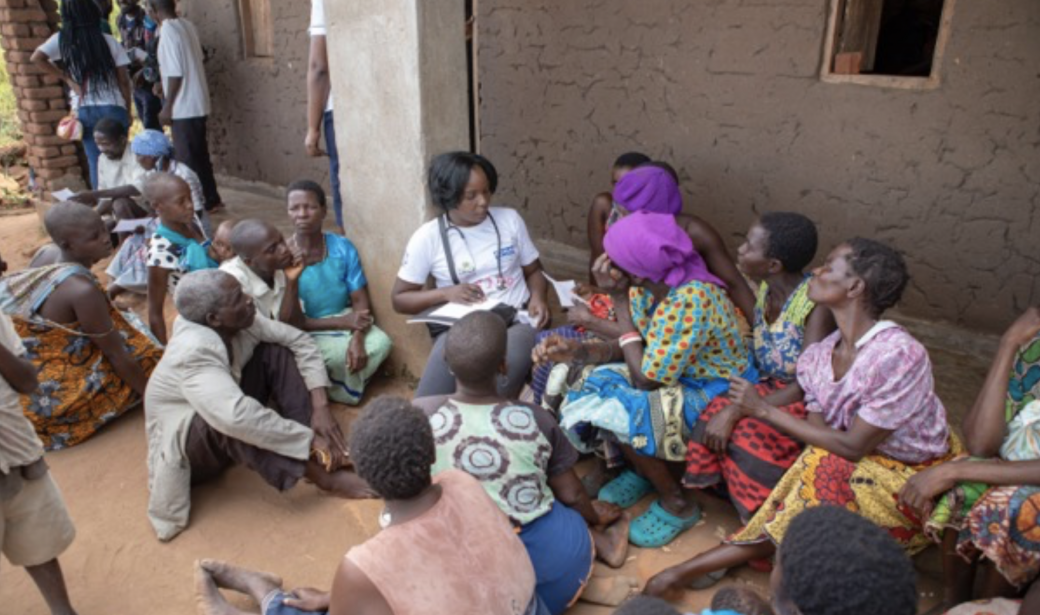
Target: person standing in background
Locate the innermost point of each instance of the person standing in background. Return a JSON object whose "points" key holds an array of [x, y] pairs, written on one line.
{"points": [[138, 34], [92, 65], [319, 107], [186, 105]]}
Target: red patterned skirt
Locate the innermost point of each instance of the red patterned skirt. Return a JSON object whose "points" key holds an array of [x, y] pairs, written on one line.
{"points": [[755, 459]]}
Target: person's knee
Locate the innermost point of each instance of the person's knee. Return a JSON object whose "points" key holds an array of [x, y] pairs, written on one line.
{"points": [[125, 208]]}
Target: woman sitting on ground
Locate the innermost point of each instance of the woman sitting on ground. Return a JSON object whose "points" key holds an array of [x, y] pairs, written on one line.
{"points": [[593, 316], [475, 253], [992, 500], [529, 471], [680, 345], [654, 188], [334, 294], [746, 455], [604, 210], [93, 362], [444, 548], [178, 246], [874, 418]]}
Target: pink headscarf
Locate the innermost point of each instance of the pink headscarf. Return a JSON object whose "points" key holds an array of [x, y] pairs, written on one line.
{"points": [[655, 247], [650, 189]]}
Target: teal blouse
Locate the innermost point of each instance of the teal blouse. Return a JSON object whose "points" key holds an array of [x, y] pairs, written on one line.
{"points": [[325, 287]]}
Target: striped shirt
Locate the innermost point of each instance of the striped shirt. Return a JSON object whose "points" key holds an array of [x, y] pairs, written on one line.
{"points": [[19, 444]]}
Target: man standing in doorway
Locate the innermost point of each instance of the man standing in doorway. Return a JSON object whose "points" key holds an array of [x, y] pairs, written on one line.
{"points": [[186, 94], [319, 106]]}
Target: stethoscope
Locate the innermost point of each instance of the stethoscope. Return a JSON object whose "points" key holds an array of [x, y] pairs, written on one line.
{"points": [[498, 239]]}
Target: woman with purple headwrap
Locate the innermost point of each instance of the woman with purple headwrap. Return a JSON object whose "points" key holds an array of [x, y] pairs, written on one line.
{"points": [[654, 188], [679, 346]]}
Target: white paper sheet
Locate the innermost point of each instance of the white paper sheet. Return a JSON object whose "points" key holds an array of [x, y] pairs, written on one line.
{"points": [[131, 226], [63, 195], [458, 310], [564, 290]]}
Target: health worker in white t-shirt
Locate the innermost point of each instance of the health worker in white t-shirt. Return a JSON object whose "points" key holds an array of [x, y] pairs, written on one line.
{"points": [[475, 253]]}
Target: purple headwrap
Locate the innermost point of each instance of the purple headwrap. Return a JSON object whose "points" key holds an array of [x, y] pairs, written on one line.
{"points": [[655, 247], [650, 189]]}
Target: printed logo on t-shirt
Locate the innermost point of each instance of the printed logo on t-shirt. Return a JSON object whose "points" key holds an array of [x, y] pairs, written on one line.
{"points": [[506, 252]]}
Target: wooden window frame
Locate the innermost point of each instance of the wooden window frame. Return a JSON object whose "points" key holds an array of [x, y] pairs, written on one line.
{"points": [[249, 38], [931, 82]]}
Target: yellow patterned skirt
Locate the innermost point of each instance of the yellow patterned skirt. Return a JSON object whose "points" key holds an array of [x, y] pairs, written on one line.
{"points": [[869, 488]]}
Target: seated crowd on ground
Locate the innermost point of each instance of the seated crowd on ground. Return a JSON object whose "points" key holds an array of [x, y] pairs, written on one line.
{"points": [[680, 373]]}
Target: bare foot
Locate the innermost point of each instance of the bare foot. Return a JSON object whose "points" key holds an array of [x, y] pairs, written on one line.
{"points": [[208, 599], [610, 591], [612, 542], [252, 583]]}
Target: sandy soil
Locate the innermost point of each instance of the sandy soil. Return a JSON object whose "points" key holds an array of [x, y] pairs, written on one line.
{"points": [[116, 565]]}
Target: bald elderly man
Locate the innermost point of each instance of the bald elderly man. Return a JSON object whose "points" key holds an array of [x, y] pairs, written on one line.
{"points": [[207, 403], [270, 272]]}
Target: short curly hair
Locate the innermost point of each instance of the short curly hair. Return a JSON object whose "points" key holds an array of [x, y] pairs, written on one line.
{"points": [[740, 600], [835, 562], [882, 270], [645, 605], [476, 347], [307, 185], [392, 447], [792, 239], [631, 160], [449, 173]]}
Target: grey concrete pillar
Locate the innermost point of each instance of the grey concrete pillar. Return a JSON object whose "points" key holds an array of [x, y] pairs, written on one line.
{"points": [[399, 80]]}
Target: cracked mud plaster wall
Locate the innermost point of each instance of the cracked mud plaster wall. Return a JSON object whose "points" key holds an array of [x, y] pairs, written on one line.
{"points": [[728, 91], [259, 114]]}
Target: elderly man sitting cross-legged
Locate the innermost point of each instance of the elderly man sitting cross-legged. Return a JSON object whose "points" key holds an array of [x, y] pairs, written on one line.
{"points": [[206, 403]]}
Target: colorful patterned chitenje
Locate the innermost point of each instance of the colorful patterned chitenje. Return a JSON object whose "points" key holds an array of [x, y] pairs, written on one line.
{"points": [[1024, 383], [692, 346], [1001, 523], [757, 454], [79, 390], [869, 488]]}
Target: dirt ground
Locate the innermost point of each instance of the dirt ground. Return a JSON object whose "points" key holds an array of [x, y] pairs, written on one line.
{"points": [[116, 565]]}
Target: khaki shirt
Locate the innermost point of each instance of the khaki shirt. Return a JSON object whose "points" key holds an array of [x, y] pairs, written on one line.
{"points": [[19, 444], [196, 377], [268, 300]]}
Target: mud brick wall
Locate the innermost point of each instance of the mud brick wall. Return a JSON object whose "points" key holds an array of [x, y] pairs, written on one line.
{"points": [[728, 91], [259, 117], [25, 25]]}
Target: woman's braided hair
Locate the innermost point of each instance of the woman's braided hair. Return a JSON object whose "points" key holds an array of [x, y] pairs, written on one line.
{"points": [[85, 54], [882, 270]]}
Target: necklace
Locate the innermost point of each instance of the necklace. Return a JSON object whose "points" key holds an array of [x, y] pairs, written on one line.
{"points": [[324, 248]]}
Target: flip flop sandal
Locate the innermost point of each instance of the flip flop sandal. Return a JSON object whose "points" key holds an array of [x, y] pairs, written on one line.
{"points": [[707, 581], [625, 490], [658, 527]]}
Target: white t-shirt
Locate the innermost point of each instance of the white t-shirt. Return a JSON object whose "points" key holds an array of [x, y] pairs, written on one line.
{"points": [[474, 250], [94, 95], [180, 55], [118, 173], [318, 29]]}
